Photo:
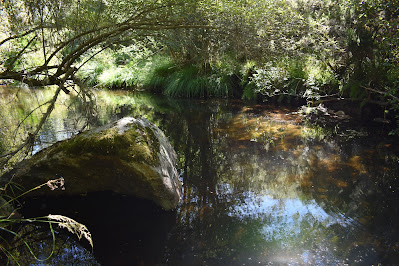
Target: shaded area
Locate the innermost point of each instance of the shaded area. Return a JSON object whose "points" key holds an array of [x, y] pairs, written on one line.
{"points": [[67, 250], [125, 230]]}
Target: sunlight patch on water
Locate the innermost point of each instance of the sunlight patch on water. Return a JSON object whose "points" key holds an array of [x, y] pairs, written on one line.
{"points": [[285, 217], [290, 226]]}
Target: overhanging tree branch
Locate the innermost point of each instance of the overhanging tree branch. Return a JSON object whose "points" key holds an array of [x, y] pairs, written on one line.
{"points": [[19, 35], [11, 64], [64, 50]]}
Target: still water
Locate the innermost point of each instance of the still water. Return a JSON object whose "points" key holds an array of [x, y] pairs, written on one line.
{"points": [[259, 188]]}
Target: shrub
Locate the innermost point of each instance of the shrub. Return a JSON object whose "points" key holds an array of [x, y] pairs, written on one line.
{"points": [[306, 78]]}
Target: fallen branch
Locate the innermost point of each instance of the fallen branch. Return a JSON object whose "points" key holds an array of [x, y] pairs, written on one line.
{"points": [[381, 92], [352, 100]]}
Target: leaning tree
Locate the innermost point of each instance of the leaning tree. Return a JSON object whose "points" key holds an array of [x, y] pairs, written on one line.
{"points": [[43, 43]]}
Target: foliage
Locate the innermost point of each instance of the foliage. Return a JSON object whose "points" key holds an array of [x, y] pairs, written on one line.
{"points": [[9, 218], [374, 63], [193, 80], [306, 78], [310, 49], [124, 67]]}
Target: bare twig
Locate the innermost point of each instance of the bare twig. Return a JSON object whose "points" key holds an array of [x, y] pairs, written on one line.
{"points": [[26, 117], [30, 138]]}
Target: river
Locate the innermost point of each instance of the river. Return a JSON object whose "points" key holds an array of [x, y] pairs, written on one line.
{"points": [[259, 188]]}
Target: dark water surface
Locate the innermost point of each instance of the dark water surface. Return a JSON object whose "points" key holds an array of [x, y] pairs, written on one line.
{"points": [[259, 189]]}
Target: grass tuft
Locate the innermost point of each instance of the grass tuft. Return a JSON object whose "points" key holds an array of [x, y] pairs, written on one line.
{"points": [[190, 81]]}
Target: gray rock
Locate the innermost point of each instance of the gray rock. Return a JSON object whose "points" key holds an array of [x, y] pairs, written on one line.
{"points": [[130, 156]]}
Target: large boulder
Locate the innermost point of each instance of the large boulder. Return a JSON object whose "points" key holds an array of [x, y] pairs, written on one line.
{"points": [[130, 156]]}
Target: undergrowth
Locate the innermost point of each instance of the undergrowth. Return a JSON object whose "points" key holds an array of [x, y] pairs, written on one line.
{"points": [[137, 67], [191, 81], [10, 222]]}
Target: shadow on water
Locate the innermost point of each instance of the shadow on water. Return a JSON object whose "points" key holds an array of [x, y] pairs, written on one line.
{"points": [[259, 187], [125, 230]]}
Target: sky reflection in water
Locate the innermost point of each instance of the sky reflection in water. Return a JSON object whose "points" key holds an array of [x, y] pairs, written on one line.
{"points": [[291, 195]]}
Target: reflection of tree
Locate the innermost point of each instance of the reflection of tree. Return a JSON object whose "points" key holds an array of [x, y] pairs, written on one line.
{"points": [[220, 164], [204, 225], [41, 243], [360, 180], [27, 112], [243, 198], [217, 171]]}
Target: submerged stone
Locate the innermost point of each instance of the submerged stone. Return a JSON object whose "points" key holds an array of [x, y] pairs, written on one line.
{"points": [[130, 156]]}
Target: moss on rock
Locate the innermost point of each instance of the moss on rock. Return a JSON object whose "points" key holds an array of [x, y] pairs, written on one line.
{"points": [[130, 156]]}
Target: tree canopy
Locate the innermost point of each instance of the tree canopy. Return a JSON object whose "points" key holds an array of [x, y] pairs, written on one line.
{"points": [[59, 33]]}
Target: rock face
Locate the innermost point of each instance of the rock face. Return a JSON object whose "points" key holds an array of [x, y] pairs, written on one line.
{"points": [[130, 156]]}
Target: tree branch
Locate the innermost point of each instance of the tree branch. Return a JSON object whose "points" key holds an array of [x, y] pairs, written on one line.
{"points": [[19, 36], [381, 92], [20, 53]]}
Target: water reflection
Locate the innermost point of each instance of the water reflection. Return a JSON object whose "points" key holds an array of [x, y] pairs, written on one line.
{"points": [[125, 230], [67, 250], [261, 188]]}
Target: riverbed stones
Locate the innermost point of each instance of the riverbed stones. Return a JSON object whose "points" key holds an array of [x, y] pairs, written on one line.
{"points": [[130, 156]]}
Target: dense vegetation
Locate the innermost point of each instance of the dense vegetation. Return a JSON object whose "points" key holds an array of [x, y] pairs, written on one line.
{"points": [[307, 49], [315, 50]]}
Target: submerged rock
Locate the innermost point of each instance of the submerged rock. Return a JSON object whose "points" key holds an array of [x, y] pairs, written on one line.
{"points": [[130, 156]]}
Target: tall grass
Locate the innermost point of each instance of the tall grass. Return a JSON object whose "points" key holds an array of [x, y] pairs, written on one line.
{"points": [[282, 78], [190, 81], [126, 68], [118, 77], [112, 76], [137, 68]]}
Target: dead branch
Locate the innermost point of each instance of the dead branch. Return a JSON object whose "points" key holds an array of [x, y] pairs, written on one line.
{"points": [[381, 92]]}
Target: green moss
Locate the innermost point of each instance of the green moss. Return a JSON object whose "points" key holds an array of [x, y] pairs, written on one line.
{"points": [[136, 144]]}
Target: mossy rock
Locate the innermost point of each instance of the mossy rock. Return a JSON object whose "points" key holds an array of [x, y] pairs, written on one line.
{"points": [[130, 156]]}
